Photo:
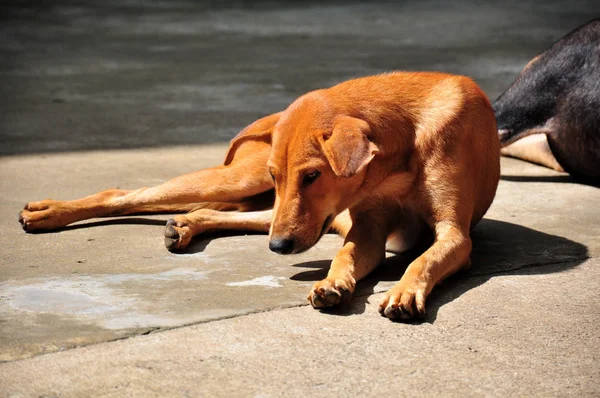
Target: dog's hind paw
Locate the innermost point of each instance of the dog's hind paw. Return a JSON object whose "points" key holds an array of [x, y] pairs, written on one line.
{"points": [[46, 215], [177, 235], [328, 293]]}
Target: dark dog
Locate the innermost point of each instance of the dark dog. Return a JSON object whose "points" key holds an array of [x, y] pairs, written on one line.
{"points": [[553, 107]]}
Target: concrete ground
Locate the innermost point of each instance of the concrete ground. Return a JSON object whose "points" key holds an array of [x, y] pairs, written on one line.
{"points": [[129, 94]]}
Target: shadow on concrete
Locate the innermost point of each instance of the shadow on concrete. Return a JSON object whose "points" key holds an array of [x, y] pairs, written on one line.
{"points": [[559, 179], [556, 179], [103, 223], [499, 248], [113, 221], [319, 271]]}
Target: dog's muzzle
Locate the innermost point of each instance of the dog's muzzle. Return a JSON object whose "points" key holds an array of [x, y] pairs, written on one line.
{"points": [[281, 246]]}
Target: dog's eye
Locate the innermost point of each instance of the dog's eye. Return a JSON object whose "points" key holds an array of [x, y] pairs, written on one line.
{"points": [[310, 177], [272, 176]]}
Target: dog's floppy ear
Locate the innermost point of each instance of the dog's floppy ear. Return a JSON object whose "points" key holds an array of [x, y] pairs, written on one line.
{"points": [[260, 130], [348, 147]]}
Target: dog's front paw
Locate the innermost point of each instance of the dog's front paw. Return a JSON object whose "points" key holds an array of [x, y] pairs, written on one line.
{"points": [[404, 302], [330, 292], [178, 234]]}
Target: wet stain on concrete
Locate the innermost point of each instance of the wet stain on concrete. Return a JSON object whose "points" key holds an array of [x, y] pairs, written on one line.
{"points": [[100, 299], [266, 281]]}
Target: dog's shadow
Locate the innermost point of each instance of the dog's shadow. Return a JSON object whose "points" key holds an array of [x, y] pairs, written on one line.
{"points": [[499, 248], [560, 178], [136, 220]]}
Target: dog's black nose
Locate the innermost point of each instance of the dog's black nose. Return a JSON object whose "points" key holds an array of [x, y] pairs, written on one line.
{"points": [[281, 246]]}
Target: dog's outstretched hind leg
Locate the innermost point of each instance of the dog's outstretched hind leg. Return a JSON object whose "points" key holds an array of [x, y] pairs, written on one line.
{"points": [[221, 188], [243, 175]]}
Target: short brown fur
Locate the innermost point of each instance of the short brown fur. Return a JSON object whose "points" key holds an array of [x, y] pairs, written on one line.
{"points": [[378, 159]]}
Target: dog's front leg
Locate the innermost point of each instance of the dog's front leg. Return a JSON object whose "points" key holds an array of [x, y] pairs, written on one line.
{"points": [[449, 253], [364, 249]]}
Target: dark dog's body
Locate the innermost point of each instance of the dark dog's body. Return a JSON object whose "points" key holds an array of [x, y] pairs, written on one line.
{"points": [[557, 98]]}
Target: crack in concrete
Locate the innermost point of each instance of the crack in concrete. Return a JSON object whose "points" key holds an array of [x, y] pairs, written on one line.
{"points": [[158, 329]]}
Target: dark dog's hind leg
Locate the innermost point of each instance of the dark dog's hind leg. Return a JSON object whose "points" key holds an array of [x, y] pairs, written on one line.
{"points": [[534, 149]]}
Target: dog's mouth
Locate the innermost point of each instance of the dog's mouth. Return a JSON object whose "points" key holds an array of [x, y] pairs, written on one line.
{"points": [[299, 248], [326, 226]]}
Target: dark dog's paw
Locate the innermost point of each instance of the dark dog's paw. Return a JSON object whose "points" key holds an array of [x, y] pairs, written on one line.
{"points": [[177, 234], [328, 293]]}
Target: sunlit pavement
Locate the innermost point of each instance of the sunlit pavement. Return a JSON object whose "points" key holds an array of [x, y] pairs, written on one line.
{"points": [[129, 96]]}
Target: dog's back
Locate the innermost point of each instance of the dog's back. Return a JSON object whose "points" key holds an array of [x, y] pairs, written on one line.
{"points": [[558, 93]]}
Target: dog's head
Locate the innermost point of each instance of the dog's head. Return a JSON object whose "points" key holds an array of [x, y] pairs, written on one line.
{"points": [[318, 161]]}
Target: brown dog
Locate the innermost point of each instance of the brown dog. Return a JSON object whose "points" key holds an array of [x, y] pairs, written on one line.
{"points": [[378, 159]]}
